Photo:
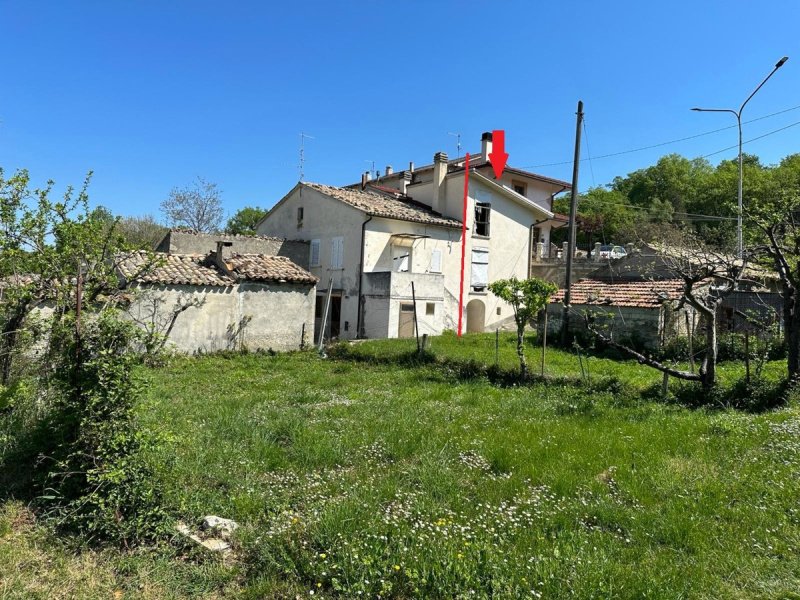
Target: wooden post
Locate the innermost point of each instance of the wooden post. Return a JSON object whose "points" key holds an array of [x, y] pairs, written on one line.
{"points": [[416, 324], [665, 386], [544, 339], [497, 347], [424, 341], [325, 315], [747, 355], [303, 337]]}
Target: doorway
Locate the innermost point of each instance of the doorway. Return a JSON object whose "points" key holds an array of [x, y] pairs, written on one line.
{"points": [[476, 316], [405, 324]]}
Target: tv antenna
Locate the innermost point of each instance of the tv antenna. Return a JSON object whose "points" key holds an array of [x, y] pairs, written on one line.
{"points": [[373, 172], [458, 142], [303, 138]]}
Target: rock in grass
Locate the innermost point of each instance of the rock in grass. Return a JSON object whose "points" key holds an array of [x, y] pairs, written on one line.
{"points": [[223, 527]]}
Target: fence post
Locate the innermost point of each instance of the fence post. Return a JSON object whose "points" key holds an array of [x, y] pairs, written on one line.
{"points": [[497, 347]]}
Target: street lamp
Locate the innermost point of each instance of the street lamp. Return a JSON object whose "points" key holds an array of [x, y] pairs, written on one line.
{"points": [[738, 115]]}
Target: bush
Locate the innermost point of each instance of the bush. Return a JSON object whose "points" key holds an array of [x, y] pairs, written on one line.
{"points": [[99, 485]]}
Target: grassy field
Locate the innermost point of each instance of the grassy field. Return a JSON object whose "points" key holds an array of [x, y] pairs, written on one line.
{"points": [[373, 477]]}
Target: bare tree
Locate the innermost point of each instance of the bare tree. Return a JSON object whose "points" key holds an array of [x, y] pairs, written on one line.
{"points": [[708, 276], [197, 206]]}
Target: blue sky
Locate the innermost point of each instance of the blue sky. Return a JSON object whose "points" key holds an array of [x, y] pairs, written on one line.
{"points": [[150, 95]]}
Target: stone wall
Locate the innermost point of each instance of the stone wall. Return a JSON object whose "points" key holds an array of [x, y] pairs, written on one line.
{"points": [[249, 315], [188, 242]]}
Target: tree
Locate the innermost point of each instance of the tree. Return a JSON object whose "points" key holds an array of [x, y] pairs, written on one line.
{"points": [[197, 206], [141, 232], [245, 220], [527, 297], [776, 215], [708, 276]]}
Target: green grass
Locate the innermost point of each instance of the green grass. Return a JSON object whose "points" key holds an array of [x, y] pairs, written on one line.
{"points": [[374, 477]]}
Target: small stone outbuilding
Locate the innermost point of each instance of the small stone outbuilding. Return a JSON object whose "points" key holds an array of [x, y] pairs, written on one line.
{"points": [[221, 300], [642, 313]]}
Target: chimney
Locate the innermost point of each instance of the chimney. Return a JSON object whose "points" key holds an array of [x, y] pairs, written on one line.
{"points": [[411, 166], [405, 181], [223, 251], [368, 175], [486, 145], [439, 173], [389, 170], [363, 181]]}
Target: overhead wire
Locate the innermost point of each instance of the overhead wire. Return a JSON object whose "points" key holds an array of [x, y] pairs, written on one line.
{"points": [[683, 139]]}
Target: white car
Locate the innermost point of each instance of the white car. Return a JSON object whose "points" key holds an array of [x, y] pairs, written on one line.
{"points": [[610, 251]]}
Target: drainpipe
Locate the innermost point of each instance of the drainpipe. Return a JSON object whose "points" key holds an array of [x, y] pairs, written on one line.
{"points": [[360, 317]]}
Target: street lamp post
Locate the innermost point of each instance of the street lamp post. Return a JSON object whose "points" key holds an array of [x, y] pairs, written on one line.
{"points": [[738, 115]]}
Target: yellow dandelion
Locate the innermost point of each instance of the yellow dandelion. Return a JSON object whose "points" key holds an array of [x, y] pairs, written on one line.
{"points": [[323, 555], [397, 567]]}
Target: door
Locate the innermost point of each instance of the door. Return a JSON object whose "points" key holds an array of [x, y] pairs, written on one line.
{"points": [[405, 325], [476, 316], [336, 316]]}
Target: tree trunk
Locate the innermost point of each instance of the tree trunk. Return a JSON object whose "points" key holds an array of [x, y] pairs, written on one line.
{"points": [[523, 367], [708, 371], [791, 323], [8, 346]]}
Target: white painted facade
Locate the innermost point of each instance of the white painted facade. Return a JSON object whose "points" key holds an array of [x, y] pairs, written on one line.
{"points": [[397, 252]]}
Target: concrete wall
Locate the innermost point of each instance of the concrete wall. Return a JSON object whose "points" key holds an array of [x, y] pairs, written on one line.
{"points": [[181, 242], [249, 315]]}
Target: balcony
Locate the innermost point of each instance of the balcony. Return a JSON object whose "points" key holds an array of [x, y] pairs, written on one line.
{"points": [[388, 284]]}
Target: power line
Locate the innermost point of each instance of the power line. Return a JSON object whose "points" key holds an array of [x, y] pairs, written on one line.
{"points": [[753, 139], [683, 139]]}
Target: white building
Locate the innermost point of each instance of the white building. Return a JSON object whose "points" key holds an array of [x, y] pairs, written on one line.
{"points": [[371, 241]]}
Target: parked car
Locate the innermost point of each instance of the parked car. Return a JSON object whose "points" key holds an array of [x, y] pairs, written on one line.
{"points": [[610, 251]]}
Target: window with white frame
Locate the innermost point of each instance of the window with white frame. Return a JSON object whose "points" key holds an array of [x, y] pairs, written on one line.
{"points": [[479, 279], [314, 258], [436, 261], [337, 253]]}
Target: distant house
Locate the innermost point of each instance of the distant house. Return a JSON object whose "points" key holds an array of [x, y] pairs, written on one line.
{"points": [[639, 312], [371, 241], [221, 300]]}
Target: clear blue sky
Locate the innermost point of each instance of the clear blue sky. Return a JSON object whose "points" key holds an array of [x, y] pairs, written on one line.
{"points": [[149, 95]]}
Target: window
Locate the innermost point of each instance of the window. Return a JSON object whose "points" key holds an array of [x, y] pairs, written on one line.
{"points": [[482, 212], [430, 309], [337, 253], [480, 269], [314, 259], [519, 187], [299, 217], [436, 261]]}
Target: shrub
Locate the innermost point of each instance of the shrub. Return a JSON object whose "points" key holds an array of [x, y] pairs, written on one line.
{"points": [[99, 485]]}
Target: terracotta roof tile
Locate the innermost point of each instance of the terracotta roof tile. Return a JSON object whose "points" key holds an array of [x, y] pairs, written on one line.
{"points": [[261, 267], [639, 294], [173, 269], [383, 205]]}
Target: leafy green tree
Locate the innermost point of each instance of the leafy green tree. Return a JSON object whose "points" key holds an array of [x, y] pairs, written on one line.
{"points": [[142, 232], [527, 297], [245, 221]]}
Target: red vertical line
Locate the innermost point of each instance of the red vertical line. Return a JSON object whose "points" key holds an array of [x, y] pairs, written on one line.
{"points": [[463, 245]]}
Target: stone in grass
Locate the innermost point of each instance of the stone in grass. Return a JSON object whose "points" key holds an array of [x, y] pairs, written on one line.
{"points": [[223, 527], [209, 543]]}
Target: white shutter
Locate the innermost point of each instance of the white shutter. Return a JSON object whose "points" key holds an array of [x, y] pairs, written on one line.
{"points": [[436, 261], [480, 268], [314, 262], [337, 253]]}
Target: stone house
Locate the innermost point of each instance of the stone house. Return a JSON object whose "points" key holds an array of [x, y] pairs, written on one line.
{"points": [[221, 300], [371, 241], [640, 312]]}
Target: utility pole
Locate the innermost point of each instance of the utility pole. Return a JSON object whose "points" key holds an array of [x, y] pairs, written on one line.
{"points": [[573, 211]]}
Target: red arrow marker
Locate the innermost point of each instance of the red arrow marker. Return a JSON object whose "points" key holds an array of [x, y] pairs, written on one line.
{"points": [[498, 156]]}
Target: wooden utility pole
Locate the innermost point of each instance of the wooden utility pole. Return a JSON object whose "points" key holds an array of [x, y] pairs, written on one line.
{"points": [[573, 211]]}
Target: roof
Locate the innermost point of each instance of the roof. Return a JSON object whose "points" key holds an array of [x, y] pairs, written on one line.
{"points": [[638, 294], [201, 270], [508, 192], [222, 235], [173, 269], [384, 205], [477, 162], [262, 267]]}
